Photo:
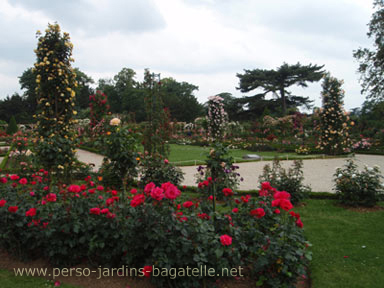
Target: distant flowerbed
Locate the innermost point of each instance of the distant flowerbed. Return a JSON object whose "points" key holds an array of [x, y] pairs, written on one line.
{"points": [[156, 226]]}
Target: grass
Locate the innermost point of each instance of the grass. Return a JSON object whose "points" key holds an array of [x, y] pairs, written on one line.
{"points": [[347, 246], [9, 280]]}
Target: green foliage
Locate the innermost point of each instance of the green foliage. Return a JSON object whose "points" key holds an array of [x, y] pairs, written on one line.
{"points": [[121, 152], [334, 121], [277, 81], [358, 188], [55, 91], [12, 126], [157, 169], [371, 65], [290, 180]]}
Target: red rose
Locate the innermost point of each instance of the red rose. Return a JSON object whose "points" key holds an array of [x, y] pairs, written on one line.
{"points": [[31, 212], [299, 223], [266, 186], [226, 240], [3, 202], [3, 180], [293, 214], [104, 211], [137, 200], [187, 204], [95, 211], [74, 188], [13, 209], [157, 193], [50, 197], [282, 195], [100, 188], [227, 192], [286, 204], [133, 191], [14, 177], [258, 212], [277, 211], [171, 191], [148, 188], [235, 210], [147, 270]]}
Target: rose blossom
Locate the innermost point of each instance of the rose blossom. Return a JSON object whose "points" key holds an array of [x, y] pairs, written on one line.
{"points": [[115, 122], [226, 240], [258, 212]]}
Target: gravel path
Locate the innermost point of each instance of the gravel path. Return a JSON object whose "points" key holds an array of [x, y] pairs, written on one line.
{"points": [[318, 173]]}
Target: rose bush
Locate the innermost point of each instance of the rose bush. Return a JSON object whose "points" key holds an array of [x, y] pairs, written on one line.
{"points": [[156, 227], [290, 180], [358, 188]]}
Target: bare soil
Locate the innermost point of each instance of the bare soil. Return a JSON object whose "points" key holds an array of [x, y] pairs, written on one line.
{"points": [[10, 263]]}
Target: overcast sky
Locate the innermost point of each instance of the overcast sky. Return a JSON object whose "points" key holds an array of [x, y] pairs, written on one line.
{"points": [[203, 42]]}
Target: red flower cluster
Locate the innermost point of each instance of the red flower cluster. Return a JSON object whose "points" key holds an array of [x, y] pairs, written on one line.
{"points": [[282, 200], [226, 240], [258, 212], [227, 192]]}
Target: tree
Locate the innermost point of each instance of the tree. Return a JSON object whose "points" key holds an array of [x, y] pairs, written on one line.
{"points": [[17, 106], [179, 99], [334, 121], [12, 126], [28, 83], [83, 89], [277, 82], [371, 65]]}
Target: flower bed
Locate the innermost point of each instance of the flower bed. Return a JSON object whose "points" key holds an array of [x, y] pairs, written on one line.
{"points": [[69, 224]]}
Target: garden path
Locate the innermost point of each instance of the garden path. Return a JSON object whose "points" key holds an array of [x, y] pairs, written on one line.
{"points": [[318, 173]]}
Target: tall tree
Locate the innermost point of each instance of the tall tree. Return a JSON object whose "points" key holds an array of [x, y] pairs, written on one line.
{"points": [[179, 99], [371, 65], [277, 82], [28, 83]]}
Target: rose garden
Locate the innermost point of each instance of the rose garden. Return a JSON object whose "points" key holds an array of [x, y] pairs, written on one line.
{"points": [[134, 210]]}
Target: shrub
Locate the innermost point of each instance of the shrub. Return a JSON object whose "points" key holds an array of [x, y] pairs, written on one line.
{"points": [[71, 223], [157, 169], [219, 173], [12, 126], [358, 188], [290, 180]]}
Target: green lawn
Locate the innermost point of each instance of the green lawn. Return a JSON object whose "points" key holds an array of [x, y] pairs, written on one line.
{"points": [[191, 155], [347, 246], [8, 280]]}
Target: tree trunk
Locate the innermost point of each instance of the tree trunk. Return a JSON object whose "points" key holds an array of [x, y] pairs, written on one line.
{"points": [[283, 102]]}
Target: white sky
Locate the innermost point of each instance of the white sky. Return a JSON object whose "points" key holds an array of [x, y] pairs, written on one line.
{"points": [[203, 42]]}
